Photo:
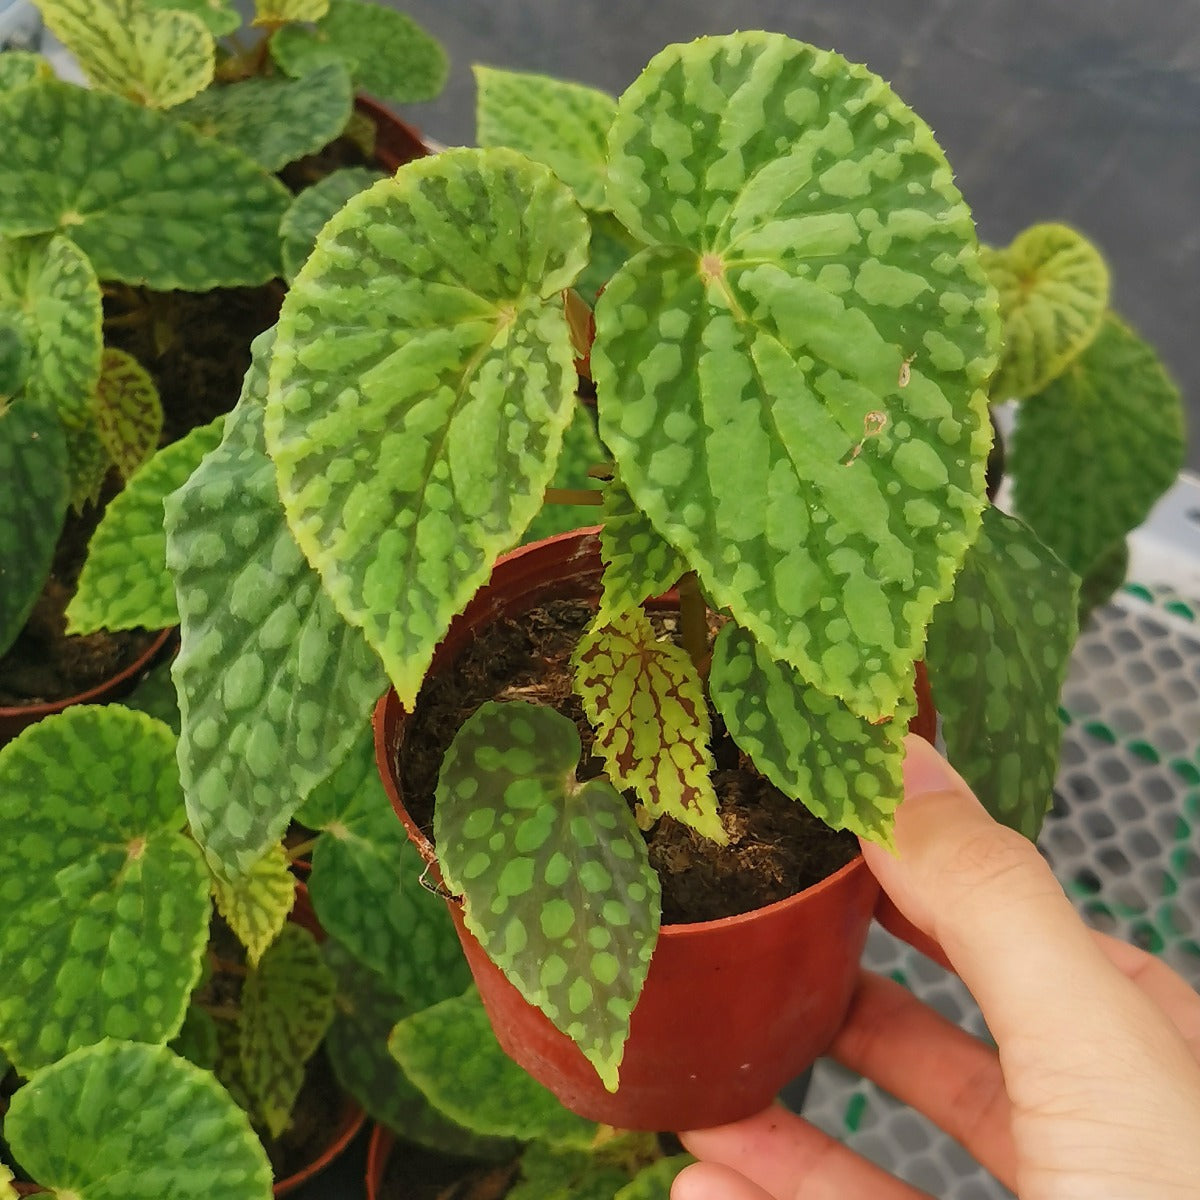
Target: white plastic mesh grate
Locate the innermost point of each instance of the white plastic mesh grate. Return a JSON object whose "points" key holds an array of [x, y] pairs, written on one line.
{"points": [[1123, 837]]}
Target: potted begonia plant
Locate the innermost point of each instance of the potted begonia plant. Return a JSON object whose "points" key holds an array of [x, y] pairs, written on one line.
{"points": [[143, 229], [792, 374]]}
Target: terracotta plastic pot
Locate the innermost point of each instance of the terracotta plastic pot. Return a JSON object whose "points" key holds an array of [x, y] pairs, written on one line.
{"points": [[395, 141], [378, 1149], [14, 718], [731, 1009]]}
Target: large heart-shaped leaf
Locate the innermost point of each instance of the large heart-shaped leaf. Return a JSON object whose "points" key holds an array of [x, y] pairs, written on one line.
{"points": [[1095, 450], [104, 903], [366, 885], [147, 198], [638, 563], [313, 207], [287, 1004], [124, 583], [1053, 286], [843, 768], [219, 17], [129, 413], [792, 372], [420, 388], [646, 699], [256, 906], [156, 57], [554, 874], [450, 1052], [274, 686], [997, 656], [33, 506], [272, 120], [387, 53], [124, 1121], [563, 125], [366, 1011]]}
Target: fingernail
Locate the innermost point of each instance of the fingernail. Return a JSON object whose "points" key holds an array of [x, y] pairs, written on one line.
{"points": [[926, 771]]}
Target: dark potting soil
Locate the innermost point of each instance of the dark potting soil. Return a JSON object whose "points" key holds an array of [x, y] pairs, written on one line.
{"points": [[415, 1173], [777, 847]]}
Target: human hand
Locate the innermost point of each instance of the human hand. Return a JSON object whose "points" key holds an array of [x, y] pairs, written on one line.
{"points": [[1094, 1091]]}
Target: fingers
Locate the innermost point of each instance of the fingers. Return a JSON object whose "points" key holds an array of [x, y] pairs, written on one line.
{"points": [[932, 1065], [781, 1157], [1179, 1002]]}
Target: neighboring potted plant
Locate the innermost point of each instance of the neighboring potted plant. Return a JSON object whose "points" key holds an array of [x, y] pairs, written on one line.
{"points": [[142, 231], [791, 379]]}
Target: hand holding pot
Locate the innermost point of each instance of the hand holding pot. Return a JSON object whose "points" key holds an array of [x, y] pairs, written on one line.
{"points": [[1095, 1087]]}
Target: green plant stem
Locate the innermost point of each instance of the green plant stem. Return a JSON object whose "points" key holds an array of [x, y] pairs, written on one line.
{"points": [[574, 496], [693, 620], [303, 849]]}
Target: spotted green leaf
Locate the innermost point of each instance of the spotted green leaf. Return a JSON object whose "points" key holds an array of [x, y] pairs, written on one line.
{"points": [[646, 700], [419, 396], [274, 687], [638, 563], [1053, 286], [7, 1191], [197, 1038], [997, 658], [218, 16], [124, 583], [103, 901], [450, 1052], [129, 413], [554, 874], [48, 287], [792, 371], [88, 466], [156, 57], [274, 120], [145, 197], [842, 767], [287, 1004], [581, 451], [19, 67], [15, 354], [387, 53], [366, 885], [563, 125], [313, 207], [256, 906], [556, 1173], [33, 506], [1094, 450], [366, 1011], [653, 1182], [124, 1121], [273, 12]]}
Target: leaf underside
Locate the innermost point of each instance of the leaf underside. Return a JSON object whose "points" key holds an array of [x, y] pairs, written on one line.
{"points": [[274, 687], [414, 439], [997, 657], [554, 874], [810, 292]]}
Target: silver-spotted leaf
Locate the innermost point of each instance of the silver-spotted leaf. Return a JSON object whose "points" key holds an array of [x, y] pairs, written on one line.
{"points": [[33, 506], [366, 1011], [104, 903], [147, 198], [287, 1004], [124, 583], [842, 767], [256, 906], [563, 125], [580, 452], [274, 686], [129, 413], [997, 657], [1053, 287], [275, 12], [127, 1121], [638, 563], [219, 16], [450, 1052], [554, 874], [366, 885], [388, 53], [313, 207], [49, 286], [19, 67], [420, 386], [274, 120], [1095, 450], [792, 371], [156, 57], [646, 700]]}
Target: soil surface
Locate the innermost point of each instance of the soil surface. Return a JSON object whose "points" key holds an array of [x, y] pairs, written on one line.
{"points": [[777, 847]]}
